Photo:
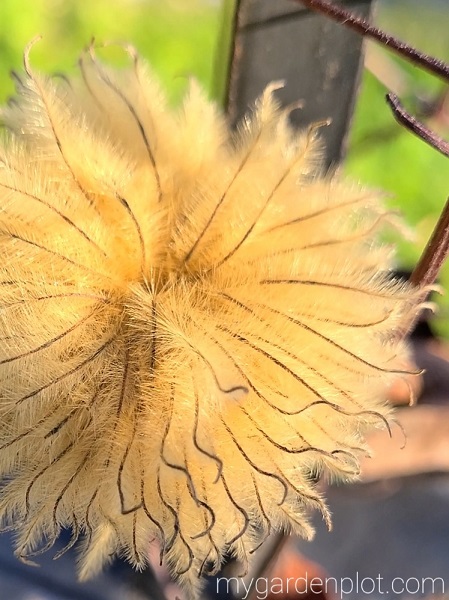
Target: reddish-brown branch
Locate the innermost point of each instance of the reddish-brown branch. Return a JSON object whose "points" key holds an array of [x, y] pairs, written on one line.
{"points": [[435, 253], [418, 128], [344, 17], [437, 250]]}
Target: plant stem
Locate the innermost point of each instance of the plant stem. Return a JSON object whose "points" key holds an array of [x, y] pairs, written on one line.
{"points": [[415, 126], [435, 253], [337, 13]]}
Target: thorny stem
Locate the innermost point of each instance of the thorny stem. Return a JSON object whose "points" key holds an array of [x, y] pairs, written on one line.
{"points": [[418, 128], [337, 13]]}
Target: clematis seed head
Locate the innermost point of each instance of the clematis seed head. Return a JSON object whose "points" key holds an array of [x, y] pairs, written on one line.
{"points": [[195, 323]]}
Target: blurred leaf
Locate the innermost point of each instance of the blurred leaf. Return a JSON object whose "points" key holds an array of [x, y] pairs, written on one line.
{"points": [[177, 36], [223, 52]]}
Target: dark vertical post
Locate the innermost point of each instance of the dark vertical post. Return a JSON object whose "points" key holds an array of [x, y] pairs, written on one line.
{"points": [[319, 61]]}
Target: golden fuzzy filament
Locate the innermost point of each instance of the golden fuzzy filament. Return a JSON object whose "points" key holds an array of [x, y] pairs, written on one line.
{"points": [[194, 323]]}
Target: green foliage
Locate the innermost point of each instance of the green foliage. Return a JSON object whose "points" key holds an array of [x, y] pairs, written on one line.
{"points": [[179, 38], [176, 36], [384, 154], [223, 51]]}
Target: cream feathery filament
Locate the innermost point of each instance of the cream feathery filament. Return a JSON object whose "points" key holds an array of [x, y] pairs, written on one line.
{"points": [[193, 322]]}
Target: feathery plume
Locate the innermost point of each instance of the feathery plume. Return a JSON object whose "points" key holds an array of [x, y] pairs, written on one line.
{"points": [[194, 323]]}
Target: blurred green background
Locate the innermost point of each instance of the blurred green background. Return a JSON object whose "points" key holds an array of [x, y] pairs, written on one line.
{"points": [[179, 38]]}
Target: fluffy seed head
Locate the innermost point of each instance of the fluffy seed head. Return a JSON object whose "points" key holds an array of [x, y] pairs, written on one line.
{"points": [[194, 323]]}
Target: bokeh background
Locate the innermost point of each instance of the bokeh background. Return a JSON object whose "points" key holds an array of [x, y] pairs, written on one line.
{"points": [[179, 38]]}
